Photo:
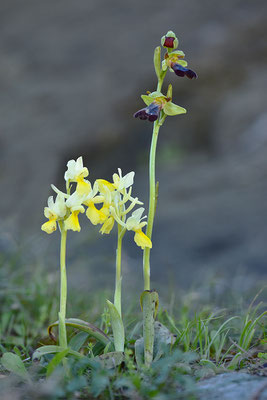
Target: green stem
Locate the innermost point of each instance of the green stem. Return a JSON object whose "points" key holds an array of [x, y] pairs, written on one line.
{"points": [[148, 295], [152, 204], [63, 289], [117, 294], [152, 193]]}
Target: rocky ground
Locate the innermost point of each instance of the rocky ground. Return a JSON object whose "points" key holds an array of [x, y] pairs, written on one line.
{"points": [[233, 386]]}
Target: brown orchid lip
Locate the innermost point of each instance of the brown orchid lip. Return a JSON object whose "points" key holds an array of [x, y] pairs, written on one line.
{"points": [[150, 113], [169, 42], [183, 71]]}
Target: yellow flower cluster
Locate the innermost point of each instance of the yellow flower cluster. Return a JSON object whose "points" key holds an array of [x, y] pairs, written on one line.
{"points": [[106, 203]]}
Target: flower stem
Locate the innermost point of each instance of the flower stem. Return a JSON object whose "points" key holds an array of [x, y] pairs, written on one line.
{"points": [[152, 204], [117, 294], [63, 289], [148, 295], [152, 192]]}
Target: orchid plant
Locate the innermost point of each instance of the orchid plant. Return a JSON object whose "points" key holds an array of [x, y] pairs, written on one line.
{"points": [[108, 204], [115, 202], [158, 107]]}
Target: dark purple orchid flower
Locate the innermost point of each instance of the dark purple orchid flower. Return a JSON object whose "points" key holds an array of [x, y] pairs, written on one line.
{"points": [[183, 71], [150, 112]]}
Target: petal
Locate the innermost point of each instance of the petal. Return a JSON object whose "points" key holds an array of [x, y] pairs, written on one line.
{"points": [[107, 226], [153, 112], [126, 181], [133, 221], [142, 240], [49, 226], [72, 222], [60, 206], [164, 65], [183, 63], [178, 53], [83, 187], [94, 215], [150, 112], [48, 213], [137, 214], [168, 42], [172, 109], [182, 71], [102, 183], [142, 114], [147, 99], [50, 202], [105, 210]]}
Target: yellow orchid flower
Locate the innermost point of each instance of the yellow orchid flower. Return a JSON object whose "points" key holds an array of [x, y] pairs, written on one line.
{"points": [[95, 215], [54, 212], [119, 182], [74, 204], [76, 172], [72, 222], [134, 223]]}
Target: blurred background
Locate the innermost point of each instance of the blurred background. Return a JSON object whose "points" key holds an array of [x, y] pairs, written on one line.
{"points": [[71, 76]]}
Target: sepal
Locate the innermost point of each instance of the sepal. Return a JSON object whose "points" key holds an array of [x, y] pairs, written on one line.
{"points": [[172, 109]]}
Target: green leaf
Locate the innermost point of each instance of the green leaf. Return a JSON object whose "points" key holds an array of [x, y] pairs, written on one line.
{"points": [[172, 109], [154, 299], [83, 326], [110, 360], [78, 340], [139, 352], [42, 351], [55, 362], [13, 363], [262, 355], [99, 348], [163, 340], [149, 302], [106, 349], [117, 327], [157, 61], [208, 363]]}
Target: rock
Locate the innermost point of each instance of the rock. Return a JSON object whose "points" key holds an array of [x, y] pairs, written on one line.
{"points": [[233, 386]]}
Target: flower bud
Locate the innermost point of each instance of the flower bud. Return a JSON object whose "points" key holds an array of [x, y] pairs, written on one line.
{"points": [[170, 40]]}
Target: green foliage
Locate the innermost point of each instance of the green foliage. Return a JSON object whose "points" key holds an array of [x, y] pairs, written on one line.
{"points": [[12, 362], [117, 327], [195, 342]]}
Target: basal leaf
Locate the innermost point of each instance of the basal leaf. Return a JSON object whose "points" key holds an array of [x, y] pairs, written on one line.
{"points": [[13, 363], [117, 327], [82, 326], [56, 361]]}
